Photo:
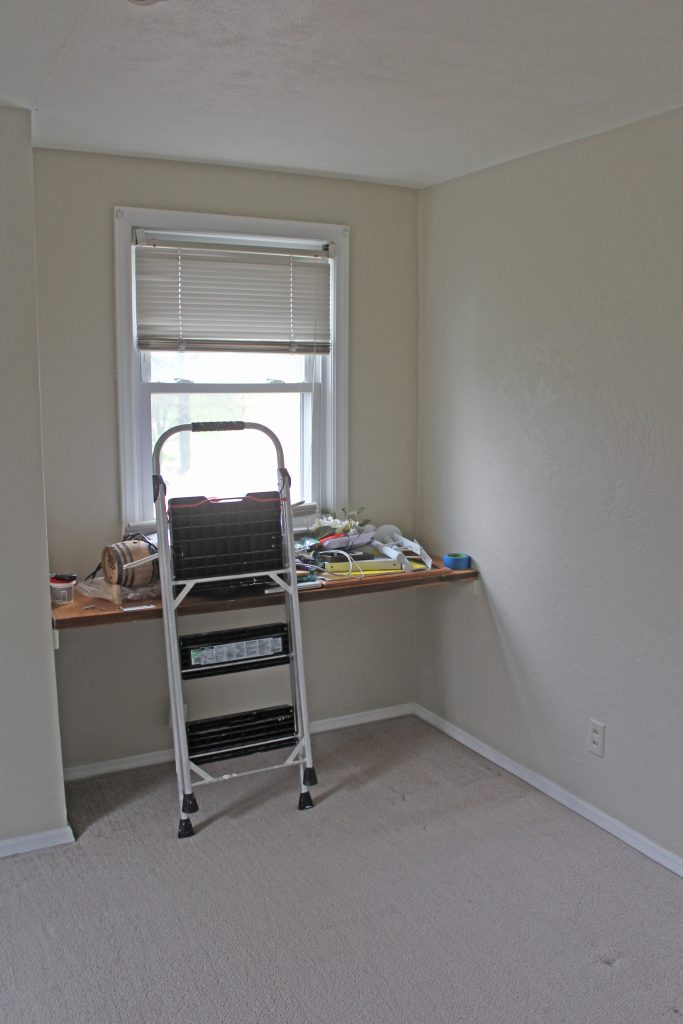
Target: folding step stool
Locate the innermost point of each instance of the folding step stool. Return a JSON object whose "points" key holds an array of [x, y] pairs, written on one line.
{"points": [[206, 541]]}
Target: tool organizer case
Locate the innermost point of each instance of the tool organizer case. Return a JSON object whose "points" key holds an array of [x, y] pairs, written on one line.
{"points": [[212, 537]]}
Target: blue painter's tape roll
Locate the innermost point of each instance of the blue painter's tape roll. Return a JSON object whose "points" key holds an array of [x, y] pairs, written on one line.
{"points": [[456, 561]]}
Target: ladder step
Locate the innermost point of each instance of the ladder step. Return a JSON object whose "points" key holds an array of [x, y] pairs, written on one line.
{"points": [[234, 650], [248, 732]]}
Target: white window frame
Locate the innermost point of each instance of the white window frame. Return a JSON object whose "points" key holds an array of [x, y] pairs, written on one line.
{"points": [[329, 472]]}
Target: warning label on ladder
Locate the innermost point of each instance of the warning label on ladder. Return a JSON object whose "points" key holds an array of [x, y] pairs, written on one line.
{"points": [[240, 650]]}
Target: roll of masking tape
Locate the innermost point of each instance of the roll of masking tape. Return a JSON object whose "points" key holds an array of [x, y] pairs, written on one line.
{"points": [[456, 561]]}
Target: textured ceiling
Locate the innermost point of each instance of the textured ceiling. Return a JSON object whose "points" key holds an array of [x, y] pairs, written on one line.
{"points": [[396, 90]]}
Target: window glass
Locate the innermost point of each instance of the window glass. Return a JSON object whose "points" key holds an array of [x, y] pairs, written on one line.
{"points": [[227, 465], [225, 367]]}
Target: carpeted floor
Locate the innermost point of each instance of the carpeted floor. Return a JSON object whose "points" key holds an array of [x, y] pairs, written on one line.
{"points": [[426, 886]]}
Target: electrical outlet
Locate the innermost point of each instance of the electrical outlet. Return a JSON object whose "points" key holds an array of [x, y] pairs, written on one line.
{"points": [[596, 742]]}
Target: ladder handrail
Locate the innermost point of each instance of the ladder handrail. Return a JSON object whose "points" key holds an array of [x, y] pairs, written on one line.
{"points": [[205, 426]]}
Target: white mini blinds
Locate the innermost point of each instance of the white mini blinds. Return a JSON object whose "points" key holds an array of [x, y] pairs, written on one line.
{"points": [[232, 298]]}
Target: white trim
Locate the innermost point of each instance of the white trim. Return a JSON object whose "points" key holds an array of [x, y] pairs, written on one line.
{"points": [[122, 764], [133, 411], [617, 828], [228, 389], [335, 482], [119, 764], [362, 718], [36, 841], [126, 369]]}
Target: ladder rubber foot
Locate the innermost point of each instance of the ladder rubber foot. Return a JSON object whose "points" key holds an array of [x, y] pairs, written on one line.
{"points": [[305, 801], [185, 829], [190, 805], [310, 778]]}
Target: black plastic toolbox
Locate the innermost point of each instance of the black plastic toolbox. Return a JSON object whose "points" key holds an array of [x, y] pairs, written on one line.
{"points": [[223, 537]]}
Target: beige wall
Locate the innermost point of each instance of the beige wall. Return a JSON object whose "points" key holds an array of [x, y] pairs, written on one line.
{"points": [[31, 791], [551, 440], [359, 654], [75, 196]]}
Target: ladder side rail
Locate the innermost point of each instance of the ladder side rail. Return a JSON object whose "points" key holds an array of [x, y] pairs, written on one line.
{"points": [[185, 790], [292, 597], [294, 617]]}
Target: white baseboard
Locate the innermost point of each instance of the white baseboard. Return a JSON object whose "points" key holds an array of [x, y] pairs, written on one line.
{"points": [[362, 717], [119, 764], [122, 764], [617, 828], [36, 841]]}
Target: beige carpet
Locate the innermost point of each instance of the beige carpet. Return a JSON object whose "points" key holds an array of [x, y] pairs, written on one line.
{"points": [[426, 886]]}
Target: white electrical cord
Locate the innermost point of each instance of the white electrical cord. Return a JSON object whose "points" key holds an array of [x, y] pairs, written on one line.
{"points": [[353, 564]]}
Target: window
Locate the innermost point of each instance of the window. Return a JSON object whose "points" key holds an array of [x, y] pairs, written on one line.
{"points": [[225, 318]]}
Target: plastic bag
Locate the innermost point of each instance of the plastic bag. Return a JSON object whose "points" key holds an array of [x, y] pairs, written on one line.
{"points": [[98, 587]]}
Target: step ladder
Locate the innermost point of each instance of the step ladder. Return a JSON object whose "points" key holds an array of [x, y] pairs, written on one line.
{"points": [[204, 543]]}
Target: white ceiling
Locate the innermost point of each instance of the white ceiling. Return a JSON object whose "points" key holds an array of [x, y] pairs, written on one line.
{"points": [[391, 90]]}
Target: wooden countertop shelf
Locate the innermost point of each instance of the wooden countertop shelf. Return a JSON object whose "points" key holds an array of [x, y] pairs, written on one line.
{"points": [[89, 611]]}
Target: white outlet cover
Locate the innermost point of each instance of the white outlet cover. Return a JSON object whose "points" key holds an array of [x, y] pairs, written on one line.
{"points": [[596, 741]]}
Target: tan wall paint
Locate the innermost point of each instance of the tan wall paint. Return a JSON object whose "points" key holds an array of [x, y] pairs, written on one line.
{"points": [[359, 654], [31, 791], [551, 439], [75, 196]]}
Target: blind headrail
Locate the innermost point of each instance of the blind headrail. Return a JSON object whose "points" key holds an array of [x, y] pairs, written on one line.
{"points": [[326, 253], [149, 342]]}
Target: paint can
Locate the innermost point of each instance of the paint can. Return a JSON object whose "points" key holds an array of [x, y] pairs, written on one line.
{"points": [[62, 585]]}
